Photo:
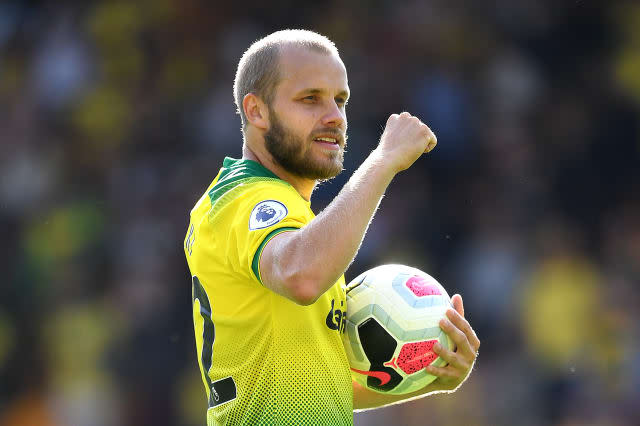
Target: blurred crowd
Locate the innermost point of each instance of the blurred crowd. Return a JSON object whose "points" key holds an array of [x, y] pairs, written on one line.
{"points": [[115, 116]]}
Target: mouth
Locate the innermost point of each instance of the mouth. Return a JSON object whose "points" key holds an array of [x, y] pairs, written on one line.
{"points": [[329, 141]]}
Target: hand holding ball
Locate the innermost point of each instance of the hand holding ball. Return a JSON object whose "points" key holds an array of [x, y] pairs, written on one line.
{"points": [[392, 325]]}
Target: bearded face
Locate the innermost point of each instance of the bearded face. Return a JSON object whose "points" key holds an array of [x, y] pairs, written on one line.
{"points": [[296, 153]]}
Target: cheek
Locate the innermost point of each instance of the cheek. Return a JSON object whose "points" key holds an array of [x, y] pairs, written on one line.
{"points": [[303, 126], [301, 120], [309, 115]]}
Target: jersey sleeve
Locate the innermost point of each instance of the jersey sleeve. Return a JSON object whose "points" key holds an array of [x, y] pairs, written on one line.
{"points": [[259, 215]]}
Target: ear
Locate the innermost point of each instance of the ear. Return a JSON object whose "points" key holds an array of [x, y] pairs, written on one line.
{"points": [[256, 111]]}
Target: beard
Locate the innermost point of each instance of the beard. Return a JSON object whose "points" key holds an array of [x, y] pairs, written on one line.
{"points": [[295, 155]]}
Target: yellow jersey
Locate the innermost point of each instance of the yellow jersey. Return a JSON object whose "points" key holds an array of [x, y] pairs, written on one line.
{"points": [[263, 358]]}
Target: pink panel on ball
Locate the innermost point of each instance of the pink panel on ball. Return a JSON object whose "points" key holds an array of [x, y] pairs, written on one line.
{"points": [[421, 287], [416, 356]]}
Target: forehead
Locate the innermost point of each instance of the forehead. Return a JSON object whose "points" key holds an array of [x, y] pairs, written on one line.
{"points": [[302, 68]]}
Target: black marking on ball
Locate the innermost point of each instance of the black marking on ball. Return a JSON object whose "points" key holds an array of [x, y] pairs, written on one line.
{"points": [[377, 343], [374, 382], [378, 346]]}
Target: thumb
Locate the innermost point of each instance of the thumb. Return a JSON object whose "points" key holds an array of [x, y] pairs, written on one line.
{"points": [[456, 300]]}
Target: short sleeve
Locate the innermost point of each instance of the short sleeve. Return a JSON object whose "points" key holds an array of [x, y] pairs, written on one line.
{"points": [[259, 214]]}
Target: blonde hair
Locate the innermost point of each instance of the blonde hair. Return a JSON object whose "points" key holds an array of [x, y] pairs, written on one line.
{"points": [[258, 71]]}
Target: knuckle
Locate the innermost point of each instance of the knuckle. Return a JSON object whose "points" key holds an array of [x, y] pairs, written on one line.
{"points": [[465, 324], [471, 335], [465, 330]]}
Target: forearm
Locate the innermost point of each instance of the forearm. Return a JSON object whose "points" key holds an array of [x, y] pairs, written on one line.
{"points": [[321, 251], [302, 265], [364, 399]]}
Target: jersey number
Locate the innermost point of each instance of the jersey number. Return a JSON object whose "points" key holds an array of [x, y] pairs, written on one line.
{"points": [[208, 336], [223, 390]]}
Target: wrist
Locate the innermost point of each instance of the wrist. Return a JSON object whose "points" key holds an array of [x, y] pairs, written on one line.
{"points": [[380, 161]]}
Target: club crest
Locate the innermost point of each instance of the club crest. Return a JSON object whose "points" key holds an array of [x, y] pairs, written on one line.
{"points": [[267, 213]]}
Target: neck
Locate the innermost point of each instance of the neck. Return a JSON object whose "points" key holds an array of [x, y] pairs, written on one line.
{"points": [[303, 186]]}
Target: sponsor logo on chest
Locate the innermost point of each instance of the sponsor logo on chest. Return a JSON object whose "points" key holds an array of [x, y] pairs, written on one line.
{"points": [[337, 318]]}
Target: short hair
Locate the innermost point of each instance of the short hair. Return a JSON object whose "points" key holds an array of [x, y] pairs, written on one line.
{"points": [[258, 71]]}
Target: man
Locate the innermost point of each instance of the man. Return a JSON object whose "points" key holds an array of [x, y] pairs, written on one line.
{"points": [[266, 271]]}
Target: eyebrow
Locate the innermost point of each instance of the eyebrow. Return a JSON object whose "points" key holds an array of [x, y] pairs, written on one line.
{"points": [[314, 91]]}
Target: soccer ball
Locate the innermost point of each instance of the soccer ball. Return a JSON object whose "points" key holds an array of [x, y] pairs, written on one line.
{"points": [[391, 327]]}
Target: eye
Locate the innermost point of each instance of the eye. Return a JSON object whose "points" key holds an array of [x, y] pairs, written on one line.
{"points": [[310, 98], [341, 101]]}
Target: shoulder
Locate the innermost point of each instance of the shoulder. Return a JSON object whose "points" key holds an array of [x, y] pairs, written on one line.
{"points": [[245, 188], [239, 173]]}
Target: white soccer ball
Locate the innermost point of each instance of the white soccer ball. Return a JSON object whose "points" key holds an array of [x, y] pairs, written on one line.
{"points": [[392, 324]]}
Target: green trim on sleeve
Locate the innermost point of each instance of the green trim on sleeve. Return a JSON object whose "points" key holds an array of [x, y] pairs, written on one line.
{"points": [[255, 265]]}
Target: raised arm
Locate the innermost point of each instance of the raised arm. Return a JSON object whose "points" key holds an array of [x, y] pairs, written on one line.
{"points": [[302, 265]]}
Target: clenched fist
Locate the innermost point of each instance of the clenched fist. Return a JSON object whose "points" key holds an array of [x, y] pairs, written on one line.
{"points": [[404, 139]]}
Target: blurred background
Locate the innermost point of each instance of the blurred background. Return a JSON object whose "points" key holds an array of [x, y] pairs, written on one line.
{"points": [[115, 116]]}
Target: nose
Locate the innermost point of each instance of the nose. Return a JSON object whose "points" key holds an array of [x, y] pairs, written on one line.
{"points": [[334, 116]]}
